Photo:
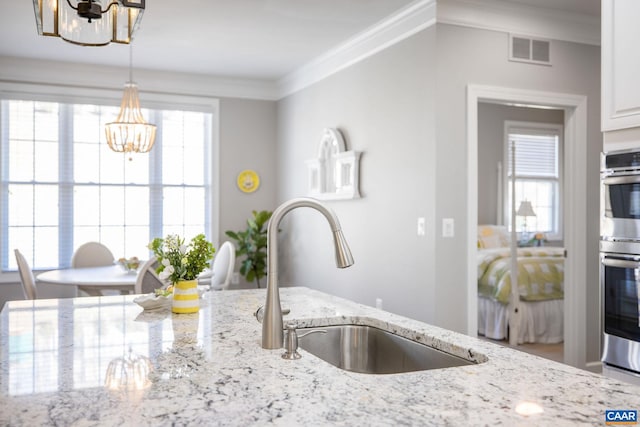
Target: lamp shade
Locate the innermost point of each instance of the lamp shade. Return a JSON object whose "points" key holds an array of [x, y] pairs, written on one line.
{"points": [[130, 133], [525, 209], [89, 22]]}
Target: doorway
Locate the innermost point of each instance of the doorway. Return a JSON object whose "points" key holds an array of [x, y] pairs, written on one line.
{"points": [[575, 132], [537, 134]]}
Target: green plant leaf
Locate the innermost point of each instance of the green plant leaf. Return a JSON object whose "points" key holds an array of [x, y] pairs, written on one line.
{"points": [[251, 244]]}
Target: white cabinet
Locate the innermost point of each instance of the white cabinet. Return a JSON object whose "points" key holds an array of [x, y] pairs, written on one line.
{"points": [[620, 64]]}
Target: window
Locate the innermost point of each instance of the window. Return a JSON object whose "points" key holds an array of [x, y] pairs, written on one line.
{"points": [[62, 186], [538, 176]]}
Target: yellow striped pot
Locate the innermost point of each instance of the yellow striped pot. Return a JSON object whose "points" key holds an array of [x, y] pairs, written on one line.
{"points": [[185, 297]]}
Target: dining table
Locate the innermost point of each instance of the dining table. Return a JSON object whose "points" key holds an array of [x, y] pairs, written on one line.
{"points": [[92, 280]]}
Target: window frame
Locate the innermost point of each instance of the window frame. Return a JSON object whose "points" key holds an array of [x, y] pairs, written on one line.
{"points": [[113, 97], [534, 128]]}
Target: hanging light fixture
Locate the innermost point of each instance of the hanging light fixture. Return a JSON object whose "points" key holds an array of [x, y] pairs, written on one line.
{"points": [[130, 133], [86, 22]]}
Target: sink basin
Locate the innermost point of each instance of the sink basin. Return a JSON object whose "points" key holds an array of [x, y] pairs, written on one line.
{"points": [[369, 350]]}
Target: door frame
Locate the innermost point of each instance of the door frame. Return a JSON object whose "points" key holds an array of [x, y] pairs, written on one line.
{"points": [[575, 205]]}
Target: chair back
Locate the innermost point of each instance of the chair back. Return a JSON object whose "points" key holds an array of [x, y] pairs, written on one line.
{"points": [[26, 276], [91, 254], [223, 265], [148, 280]]}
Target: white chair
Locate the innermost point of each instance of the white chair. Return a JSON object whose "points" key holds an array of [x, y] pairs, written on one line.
{"points": [[223, 265], [148, 280], [26, 276], [91, 254]]}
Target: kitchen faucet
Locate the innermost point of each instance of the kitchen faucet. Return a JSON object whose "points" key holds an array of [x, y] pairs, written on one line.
{"points": [[272, 328]]}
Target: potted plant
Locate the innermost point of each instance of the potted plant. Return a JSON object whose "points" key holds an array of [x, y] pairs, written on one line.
{"points": [[181, 264], [252, 244]]}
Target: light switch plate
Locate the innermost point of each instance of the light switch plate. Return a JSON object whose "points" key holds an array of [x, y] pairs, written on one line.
{"points": [[448, 227], [421, 226]]}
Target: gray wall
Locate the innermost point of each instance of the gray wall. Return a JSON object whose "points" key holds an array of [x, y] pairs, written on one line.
{"points": [[472, 56], [384, 107], [389, 107], [247, 141], [491, 118]]}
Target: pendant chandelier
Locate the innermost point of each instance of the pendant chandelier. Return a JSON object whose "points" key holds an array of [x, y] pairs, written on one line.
{"points": [[130, 133], [86, 22]]}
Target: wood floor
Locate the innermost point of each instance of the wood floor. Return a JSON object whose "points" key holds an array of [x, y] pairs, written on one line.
{"points": [[548, 351]]}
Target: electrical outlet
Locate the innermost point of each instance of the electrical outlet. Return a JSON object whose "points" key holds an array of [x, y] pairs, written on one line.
{"points": [[235, 278]]}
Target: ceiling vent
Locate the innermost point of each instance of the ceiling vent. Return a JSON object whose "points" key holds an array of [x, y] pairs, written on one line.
{"points": [[526, 49]]}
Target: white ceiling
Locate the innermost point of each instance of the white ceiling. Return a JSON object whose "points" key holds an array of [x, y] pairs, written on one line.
{"points": [[261, 39]]}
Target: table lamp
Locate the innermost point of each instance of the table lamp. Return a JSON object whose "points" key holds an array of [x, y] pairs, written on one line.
{"points": [[525, 210]]}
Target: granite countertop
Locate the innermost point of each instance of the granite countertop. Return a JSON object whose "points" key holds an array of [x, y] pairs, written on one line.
{"points": [[209, 369]]}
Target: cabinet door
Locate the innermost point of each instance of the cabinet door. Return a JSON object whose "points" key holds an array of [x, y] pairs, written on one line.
{"points": [[620, 64]]}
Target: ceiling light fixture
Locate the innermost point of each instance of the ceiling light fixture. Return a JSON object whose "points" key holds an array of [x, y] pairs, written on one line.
{"points": [[130, 133], [86, 23]]}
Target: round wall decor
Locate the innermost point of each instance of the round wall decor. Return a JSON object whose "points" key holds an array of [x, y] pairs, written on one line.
{"points": [[248, 181]]}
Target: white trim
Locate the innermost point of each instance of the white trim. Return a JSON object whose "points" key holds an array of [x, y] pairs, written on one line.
{"points": [[416, 17], [595, 366], [575, 107], [85, 94], [511, 17], [73, 75]]}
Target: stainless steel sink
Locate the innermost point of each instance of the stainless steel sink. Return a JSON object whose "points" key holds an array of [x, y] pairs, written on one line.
{"points": [[369, 350]]}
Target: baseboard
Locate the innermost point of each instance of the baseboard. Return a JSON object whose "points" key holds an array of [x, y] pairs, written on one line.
{"points": [[594, 367]]}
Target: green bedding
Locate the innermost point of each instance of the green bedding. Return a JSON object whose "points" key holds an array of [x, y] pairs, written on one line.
{"points": [[540, 273]]}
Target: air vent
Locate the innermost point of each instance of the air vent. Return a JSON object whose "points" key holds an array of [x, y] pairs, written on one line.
{"points": [[526, 49]]}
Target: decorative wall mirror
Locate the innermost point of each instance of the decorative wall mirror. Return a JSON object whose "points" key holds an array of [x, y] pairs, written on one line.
{"points": [[334, 174]]}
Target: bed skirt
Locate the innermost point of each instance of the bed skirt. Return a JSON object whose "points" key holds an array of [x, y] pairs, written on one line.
{"points": [[542, 321]]}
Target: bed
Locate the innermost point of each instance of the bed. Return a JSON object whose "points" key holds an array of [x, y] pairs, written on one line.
{"points": [[540, 288]]}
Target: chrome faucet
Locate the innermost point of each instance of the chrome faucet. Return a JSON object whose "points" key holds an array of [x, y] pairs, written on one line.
{"points": [[272, 328]]}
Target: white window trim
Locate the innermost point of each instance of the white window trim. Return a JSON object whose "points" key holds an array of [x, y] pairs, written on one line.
{"points": [[154, 100], [511, 126]]}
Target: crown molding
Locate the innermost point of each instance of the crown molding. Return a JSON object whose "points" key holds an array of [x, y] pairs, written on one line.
{"points": [[73, 75], [518, 18], [415, 17], [495, 15]]}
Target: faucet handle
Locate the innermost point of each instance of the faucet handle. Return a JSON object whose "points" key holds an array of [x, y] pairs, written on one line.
{"points": [[259, 313]]}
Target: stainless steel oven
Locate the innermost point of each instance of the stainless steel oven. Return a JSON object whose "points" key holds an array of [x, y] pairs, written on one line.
{"points": [[620, 196], [620, 260], [620, 279]]}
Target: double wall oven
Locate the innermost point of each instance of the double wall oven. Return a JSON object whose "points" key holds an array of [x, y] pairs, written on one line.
{"points": [[620, 262]]}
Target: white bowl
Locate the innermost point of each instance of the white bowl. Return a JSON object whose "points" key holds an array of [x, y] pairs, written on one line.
{"points": [[153, 302]]}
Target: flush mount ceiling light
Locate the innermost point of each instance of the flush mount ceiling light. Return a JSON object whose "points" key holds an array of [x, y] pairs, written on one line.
{"points": [[87, 22], [130, 133]]}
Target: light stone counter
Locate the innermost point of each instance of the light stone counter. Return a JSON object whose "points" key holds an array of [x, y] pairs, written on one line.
{"points": [[209, 369]]}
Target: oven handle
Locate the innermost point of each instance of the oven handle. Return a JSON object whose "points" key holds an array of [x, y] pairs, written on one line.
{"points": [[622, 263], [624, 179]]}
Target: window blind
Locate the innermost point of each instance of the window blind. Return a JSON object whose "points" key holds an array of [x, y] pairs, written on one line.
{"points": [[536, 155]]}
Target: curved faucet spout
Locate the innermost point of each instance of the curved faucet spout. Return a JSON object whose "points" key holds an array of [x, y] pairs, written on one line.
{"points": [[272, 327]]}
